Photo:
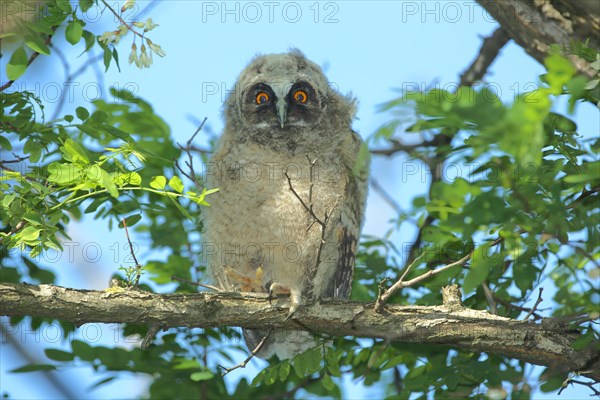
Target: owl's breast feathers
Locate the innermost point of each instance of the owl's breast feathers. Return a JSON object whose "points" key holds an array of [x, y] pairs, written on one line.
{"points": [[258, 230]]}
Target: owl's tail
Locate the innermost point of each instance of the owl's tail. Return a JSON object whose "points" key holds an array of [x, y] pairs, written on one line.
{"points": [[281, 342]]}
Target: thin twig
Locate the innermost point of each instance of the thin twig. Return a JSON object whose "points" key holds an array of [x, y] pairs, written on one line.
{"points": [[583, 195], [516, 307], [138, 266], [490, 298], [400, 284], [20, 225], [204, 285], [258, 347], [537, 302], [386, 196], [570, 380], [18, 159], [190, 163], [306, 206], [152, 331], [398, 146], [309, 208], [122, 20]]}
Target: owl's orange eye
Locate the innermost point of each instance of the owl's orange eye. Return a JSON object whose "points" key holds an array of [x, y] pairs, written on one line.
{"points": [[300, 96], [262, 98]]}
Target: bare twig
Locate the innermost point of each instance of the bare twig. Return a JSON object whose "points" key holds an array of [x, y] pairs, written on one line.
{"points": [[309, 208], [152, 331], [70, 77], [490, 298], [570, 381], [516, 307], [20, 225], [386, 196], [190, 163], [121, 20], [18, 159], [306, 206], [138, 266], [204, 285], [583, 195], [398, 146], [537, 302], [251, 356], [400, 283]]}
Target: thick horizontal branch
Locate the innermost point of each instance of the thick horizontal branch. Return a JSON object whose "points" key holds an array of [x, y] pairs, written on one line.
{"points": [[449, 324]]}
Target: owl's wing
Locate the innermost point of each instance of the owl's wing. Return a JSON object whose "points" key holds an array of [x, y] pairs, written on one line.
{"points": [[347, 227]]}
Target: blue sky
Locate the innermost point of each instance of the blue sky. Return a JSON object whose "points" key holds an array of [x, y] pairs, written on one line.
{"points": [[368, 48]]}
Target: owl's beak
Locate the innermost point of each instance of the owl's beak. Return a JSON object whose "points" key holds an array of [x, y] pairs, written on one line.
{"points": [[281, 107]]}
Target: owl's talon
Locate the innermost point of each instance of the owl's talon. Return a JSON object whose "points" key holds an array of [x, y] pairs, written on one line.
{"points": [[271, 295], [294, 307]]}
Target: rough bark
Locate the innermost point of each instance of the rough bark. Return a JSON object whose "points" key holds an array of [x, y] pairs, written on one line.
{"points": [[451, 324], [537, 24]]}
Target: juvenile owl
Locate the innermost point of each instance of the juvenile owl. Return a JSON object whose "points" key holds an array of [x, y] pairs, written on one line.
{"points": [[292, 188]]}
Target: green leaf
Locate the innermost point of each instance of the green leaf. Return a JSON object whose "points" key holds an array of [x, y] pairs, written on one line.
{"points": [[90, 39], [327, 382], [36, 44], [560, 71], [63, 174], [108, 183], [74, 32], [17, 64], [116, 132], [481, 265], [64, 5], [552, 384], [83, 350], [30, 233], [99, 116], [34, 149], [33, 218], [130, 221], [5, 143], [158, 182], [34, 368], [102, 382], [8, 199], [74, 152], [176, 184], [284, 371], [115, 55], [82, 113], [85, 4], [59, 355], [107, 56], [201, 376]]}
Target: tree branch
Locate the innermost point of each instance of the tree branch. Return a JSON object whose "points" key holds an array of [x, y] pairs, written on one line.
{"points": [[448, 324], [537, 25]]}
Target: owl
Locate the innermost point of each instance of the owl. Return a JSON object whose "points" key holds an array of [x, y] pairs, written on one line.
{"points": [[292, 189]]}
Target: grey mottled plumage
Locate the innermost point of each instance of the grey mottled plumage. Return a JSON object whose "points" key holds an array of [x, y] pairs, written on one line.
{"points": [[258, 234]]}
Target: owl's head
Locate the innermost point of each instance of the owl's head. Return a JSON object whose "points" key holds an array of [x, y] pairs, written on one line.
{"points": [[278, 95]]}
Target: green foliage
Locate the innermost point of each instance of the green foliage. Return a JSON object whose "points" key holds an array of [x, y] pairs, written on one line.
{"points": [[525, 208]]}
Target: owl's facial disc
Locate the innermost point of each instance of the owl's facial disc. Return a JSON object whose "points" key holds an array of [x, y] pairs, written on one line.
{"points": [[282, 105]]}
